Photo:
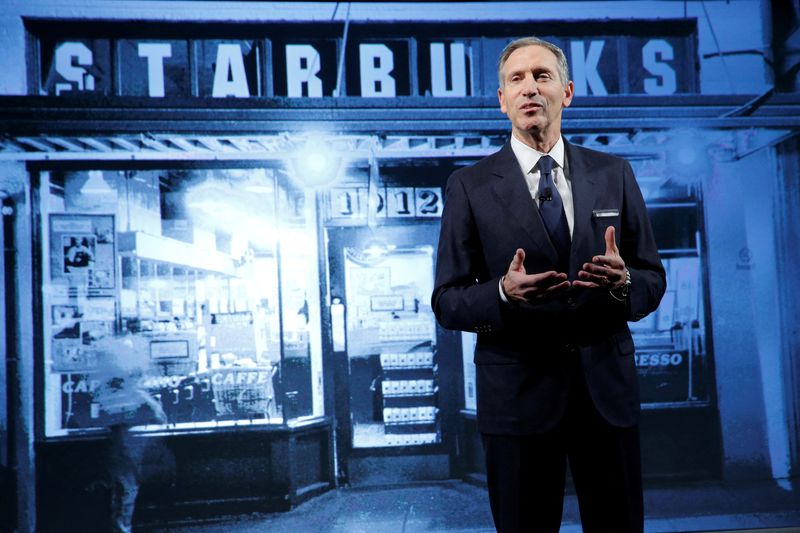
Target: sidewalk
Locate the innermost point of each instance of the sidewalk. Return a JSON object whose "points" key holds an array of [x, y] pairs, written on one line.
{"points": [[453, 506]]}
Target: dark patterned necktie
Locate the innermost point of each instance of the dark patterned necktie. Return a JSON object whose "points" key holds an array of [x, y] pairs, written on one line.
{"points": [[551, 208]]}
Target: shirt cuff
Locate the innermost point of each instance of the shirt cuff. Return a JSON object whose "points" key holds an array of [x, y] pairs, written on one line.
{"points": [[502, 292]]}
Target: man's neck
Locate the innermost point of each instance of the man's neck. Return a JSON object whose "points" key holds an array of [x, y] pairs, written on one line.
{"points": [[540, 141]]}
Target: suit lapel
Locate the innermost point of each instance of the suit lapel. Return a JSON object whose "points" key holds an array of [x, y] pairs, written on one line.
{"points": [[513, 192], [583, 199]]}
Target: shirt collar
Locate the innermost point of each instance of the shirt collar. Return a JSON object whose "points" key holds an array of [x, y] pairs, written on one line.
{"points": [[528, 157]]}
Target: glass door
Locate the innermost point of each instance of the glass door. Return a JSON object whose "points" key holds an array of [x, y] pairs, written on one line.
{"points": [[384, 277]]}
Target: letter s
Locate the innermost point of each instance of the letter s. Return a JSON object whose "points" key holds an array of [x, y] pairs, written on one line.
{"points": [[66, 53], [653, 53]]}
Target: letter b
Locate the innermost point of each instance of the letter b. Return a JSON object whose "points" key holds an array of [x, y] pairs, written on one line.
{"points": [[377, 63]]}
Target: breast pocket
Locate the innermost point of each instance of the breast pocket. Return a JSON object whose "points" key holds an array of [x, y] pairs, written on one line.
{"points": [[605, 213], [603, 218]]}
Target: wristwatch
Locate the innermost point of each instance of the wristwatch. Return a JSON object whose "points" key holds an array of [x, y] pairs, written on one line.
{"points": [[621, 292]]}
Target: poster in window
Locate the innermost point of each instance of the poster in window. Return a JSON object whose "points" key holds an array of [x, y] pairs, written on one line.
{"points": [[82, 251], [76, 328], [79, 251]]}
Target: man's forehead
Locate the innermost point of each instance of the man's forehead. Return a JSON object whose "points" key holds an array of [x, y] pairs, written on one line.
{"points": [[540, 52]]}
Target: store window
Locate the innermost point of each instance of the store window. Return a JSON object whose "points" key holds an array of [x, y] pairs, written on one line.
{"points": [[207, 276], [672, 355]]}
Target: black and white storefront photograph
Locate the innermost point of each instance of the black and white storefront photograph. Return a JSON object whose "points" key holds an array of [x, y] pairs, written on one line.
{"points": [[221, 223]]}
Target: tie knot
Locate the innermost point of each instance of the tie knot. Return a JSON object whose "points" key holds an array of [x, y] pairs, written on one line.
{"points": [[546, 164]]}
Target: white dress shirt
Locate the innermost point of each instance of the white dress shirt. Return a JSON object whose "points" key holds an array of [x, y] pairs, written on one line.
{"points": [[528, 159]]}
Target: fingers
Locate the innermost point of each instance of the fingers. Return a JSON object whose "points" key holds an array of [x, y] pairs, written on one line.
{"points": [[611, 243], [543, 280], [517, 263], [595, 279], [605, 270], [555, 289], [522, 287], [540, 292], [591, 281], [601, 274]]}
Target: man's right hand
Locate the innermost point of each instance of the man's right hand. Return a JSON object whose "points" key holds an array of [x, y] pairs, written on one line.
{"points": [[521, 287]]}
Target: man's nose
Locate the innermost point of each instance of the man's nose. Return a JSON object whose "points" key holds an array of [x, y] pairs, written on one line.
{"points": [[530, 87]]}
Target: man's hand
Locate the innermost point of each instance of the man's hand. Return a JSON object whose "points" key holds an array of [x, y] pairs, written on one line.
{"points": [[605, 271], [522, 287]]}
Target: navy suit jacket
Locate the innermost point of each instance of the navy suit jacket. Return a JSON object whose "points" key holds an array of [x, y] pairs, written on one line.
{"points": [[522, 351]]}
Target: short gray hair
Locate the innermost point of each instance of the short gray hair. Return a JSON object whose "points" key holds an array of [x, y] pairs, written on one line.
{"points": [[561, 59]]}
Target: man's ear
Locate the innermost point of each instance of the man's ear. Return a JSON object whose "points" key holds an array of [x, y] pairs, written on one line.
{"points": [[501, 99], [569, 92]]}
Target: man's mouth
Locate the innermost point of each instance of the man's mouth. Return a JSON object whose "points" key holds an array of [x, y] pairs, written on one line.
{"points": [[530, 106]]}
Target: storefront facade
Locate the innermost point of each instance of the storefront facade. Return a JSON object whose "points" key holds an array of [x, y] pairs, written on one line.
{"points": [[258, 213]]}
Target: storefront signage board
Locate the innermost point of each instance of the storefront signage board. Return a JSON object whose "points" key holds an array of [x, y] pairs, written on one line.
{"points": [[285, 63]]}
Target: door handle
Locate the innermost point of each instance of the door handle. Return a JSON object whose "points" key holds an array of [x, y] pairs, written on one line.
{"points": [[338, 334]]}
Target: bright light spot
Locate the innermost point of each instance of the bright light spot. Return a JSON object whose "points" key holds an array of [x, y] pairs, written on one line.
{"points": [[376, 250], [687, 155], [317, 162], [259, 189]]}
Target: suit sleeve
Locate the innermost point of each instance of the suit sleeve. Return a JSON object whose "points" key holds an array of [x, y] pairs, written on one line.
{"points": [[465, 297], [639, 251]]}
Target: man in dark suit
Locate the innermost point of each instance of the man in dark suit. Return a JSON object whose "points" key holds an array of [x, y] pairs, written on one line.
{"points": [[529, 259]]}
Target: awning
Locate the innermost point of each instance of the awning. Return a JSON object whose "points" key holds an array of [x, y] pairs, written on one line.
{"points": [[132, 129]]}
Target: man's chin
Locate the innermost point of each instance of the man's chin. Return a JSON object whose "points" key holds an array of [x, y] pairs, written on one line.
{"points": [[531, 126]]}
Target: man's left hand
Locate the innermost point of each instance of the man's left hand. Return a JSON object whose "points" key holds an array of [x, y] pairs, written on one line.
{"points": [[605, 271]]}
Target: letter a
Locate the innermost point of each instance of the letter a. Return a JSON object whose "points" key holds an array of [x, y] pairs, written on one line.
{"points": [[230, 61]]}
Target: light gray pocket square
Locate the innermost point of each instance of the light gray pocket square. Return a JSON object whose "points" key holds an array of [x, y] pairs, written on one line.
{"points": [[602, 213]]}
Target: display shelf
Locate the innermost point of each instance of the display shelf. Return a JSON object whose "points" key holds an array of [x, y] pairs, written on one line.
{"points": [[412, 360], [411, 439], [426, 414], [413, 394], [411, 423], [408, 387], [406, 392]]}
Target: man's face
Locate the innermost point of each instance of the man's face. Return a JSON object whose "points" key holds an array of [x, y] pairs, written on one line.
{"points": [[533, 94]]}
